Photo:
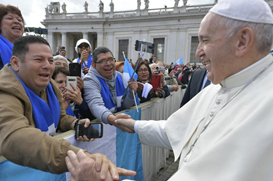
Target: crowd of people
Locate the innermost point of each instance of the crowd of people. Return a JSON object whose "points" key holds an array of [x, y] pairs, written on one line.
{"points": [[35, 101]]}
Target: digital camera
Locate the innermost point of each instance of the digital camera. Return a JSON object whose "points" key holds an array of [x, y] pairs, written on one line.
{"points": [[160, 69]]}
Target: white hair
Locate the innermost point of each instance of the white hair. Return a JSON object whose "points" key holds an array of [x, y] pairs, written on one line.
{"points": [[263, 32], [60, 57]]}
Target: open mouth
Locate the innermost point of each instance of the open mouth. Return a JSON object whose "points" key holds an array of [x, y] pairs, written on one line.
{"points": [[205, 61], [16, 28], [44, 76], [108, 69]]}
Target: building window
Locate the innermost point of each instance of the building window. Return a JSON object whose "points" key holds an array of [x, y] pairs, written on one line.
{"points": [[194, 44], [123, 47], [159, 44]]}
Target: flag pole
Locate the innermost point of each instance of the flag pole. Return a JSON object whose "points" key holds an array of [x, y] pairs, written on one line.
{"points": [[128, 86]]}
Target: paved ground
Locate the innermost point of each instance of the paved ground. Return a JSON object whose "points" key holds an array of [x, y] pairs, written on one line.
{"points": [[166, 172]]}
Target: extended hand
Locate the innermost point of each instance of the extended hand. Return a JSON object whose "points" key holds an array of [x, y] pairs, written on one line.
{"points": [[126, 123], [93, 167], [112, 120], [82, 167]]}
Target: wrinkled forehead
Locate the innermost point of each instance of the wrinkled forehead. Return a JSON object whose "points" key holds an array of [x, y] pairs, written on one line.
{"points": [[210, 23], [60, 61]]}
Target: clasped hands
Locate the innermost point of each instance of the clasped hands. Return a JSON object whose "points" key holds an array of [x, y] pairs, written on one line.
{"points": [[85, 166]]}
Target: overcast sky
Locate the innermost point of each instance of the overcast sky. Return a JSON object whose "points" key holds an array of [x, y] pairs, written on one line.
{"points": [[34, 10]]}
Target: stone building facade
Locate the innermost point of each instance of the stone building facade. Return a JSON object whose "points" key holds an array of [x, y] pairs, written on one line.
{"points": [[174, 31]]}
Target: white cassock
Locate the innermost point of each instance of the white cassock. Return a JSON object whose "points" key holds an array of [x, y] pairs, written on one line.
{"points": [[237, 143]]}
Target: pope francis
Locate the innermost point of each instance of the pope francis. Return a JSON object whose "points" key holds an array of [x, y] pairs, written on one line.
{"points": [[225, 133]]}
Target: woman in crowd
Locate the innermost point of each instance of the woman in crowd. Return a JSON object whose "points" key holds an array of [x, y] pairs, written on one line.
{"points": [[73, 101], [11, 28], [144, 76]]}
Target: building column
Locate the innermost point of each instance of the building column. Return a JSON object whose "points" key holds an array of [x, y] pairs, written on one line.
{"points": [[181, 48], [100, 39], [49, 38], [172, 57], [110, 41], [59, 39], [85, 35], [64, 37]]}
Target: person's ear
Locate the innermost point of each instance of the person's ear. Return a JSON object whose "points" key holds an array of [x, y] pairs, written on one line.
{"points": [[93, 65], [245, 40], [15, 62]]}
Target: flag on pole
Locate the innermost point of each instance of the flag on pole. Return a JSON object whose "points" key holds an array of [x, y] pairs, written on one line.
{"points": [[179, 61], [127, 72]]}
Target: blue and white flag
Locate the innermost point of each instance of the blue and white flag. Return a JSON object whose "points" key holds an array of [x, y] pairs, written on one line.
{"points": [[129, 150], [127, 72], [179, 61], [11, 171]]}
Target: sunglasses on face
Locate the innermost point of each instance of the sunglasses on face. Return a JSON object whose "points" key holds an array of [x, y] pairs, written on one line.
{"points": [[83, 45]]}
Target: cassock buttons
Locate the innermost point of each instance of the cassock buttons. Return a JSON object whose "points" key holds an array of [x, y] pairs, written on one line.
{"points": [[211, 114]]}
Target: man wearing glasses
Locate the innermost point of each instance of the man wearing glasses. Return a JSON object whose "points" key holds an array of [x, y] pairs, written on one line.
{"points": [[83, 48], [103, 88]]}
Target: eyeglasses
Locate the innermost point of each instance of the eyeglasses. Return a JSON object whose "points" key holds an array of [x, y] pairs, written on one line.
{"points": [[104, 61], [83, 45], [142, 70]]}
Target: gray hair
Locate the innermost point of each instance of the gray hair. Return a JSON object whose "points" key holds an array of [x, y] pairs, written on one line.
{"points": [[152, 64], [263, 32], [61, 58], [98, 51]]}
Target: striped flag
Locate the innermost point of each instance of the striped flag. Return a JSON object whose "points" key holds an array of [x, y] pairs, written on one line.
{"points": [[127, 72], [179, 61]]}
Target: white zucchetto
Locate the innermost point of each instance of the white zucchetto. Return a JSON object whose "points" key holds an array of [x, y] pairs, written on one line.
{"points": [[256, 11]]}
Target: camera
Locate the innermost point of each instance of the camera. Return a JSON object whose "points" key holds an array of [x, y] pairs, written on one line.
{"points": [[160, 69], [144, 46]]}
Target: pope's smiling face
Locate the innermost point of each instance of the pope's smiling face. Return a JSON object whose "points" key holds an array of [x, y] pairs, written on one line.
{"points": [[215, 50]]}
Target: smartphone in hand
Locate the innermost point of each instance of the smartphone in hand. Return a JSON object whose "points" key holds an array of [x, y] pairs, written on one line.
{"points": [[75, 69], [71, 80], [156, 81], [94, 130]]}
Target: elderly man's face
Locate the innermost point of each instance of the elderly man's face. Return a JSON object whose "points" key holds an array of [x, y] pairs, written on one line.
{"points": [[61, 63], [153, 69], [215, 50]]}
